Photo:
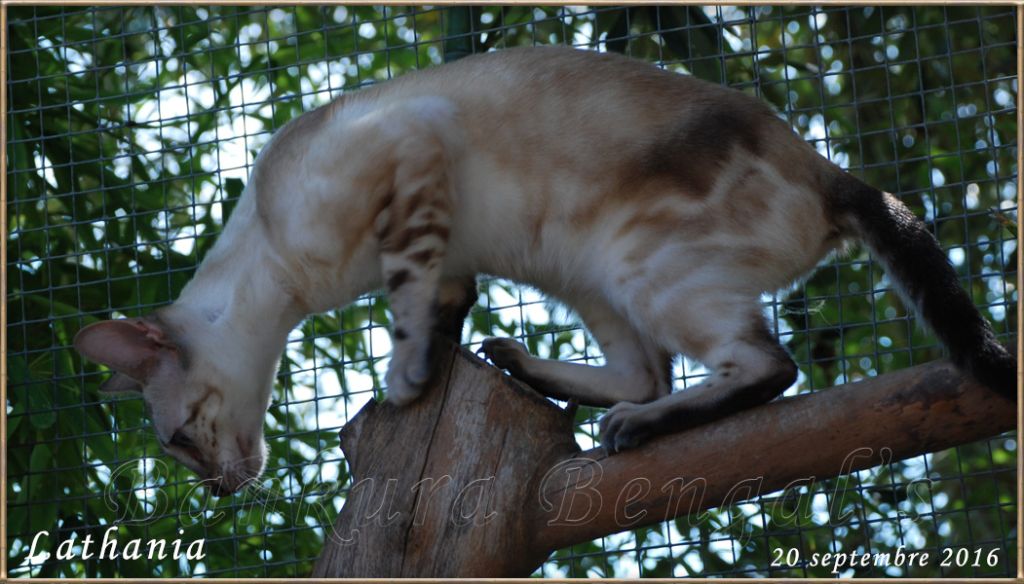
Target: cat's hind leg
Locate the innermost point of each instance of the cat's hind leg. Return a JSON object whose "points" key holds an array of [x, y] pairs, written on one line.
{"points": [[749, 367], [635, 369]]}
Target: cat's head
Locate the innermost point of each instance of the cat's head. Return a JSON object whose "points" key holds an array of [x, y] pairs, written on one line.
{"points": [[206, 419]]}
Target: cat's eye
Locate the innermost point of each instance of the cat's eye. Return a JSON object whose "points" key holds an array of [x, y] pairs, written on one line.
{"points": [[180, 440]]}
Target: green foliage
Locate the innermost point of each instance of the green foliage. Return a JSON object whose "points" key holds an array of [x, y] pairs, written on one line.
{"points": [[131, 132]]}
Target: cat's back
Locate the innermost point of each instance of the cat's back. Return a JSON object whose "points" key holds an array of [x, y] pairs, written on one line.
{"points": [[583, 151], [524, 77], [552, 89], [536, 109], [582, 112]]}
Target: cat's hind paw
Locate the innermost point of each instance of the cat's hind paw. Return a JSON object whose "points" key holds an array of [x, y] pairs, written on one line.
{"points": [[626, 425]]}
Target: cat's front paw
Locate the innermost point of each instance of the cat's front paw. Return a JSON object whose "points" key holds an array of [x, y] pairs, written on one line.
{"points": [[505, 354], [402, 391], [406, 381], [626, 425]]}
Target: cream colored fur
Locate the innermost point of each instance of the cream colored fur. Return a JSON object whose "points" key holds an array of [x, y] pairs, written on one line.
{"points": [[660, 207]]}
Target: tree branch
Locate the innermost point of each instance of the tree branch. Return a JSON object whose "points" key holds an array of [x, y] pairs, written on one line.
{"points": [[808, 437]]}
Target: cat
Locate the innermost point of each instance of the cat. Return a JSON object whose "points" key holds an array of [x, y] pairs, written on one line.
{"points": [[658, 206]]}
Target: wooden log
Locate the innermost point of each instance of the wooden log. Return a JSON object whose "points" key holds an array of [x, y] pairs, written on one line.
{"points": [[442, 484], [481, 477]]}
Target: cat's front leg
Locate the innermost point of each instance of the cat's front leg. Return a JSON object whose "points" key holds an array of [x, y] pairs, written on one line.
{"points": [[412, 232], [412, 270]]}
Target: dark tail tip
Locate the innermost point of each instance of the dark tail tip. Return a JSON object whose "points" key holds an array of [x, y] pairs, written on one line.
{"points": [[921, 269], [995, 367]]}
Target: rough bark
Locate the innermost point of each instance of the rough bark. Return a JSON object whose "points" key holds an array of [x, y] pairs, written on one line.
{"points": [[459, 462], [482, 477]]}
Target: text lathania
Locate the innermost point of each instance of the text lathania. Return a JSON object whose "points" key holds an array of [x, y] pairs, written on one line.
{"points": [[110, 548]]}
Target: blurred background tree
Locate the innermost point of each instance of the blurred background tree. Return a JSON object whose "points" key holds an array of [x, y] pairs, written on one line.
{"points": [[132, 131]]}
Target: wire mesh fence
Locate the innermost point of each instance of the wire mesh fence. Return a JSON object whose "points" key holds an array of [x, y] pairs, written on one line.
{"points": [[131, 134]]}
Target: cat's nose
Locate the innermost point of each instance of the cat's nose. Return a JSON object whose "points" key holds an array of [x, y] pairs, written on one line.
{"points": [[221, 489], [217, 483], [227, 481]]}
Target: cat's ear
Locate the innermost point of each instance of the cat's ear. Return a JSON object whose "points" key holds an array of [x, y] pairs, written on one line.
{"points": [[133, 347]]}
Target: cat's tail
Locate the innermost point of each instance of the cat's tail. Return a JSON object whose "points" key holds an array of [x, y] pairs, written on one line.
{"points": [[914, 260]]}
